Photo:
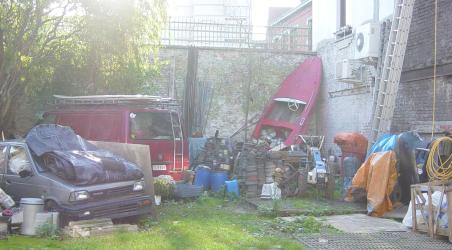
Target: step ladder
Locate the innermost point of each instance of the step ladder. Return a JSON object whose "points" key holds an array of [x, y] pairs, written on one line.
{"points": [[178, 143], [388, 85]]}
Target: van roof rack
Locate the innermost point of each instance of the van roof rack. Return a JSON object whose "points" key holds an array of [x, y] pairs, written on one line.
{"points": [[146, 101]]}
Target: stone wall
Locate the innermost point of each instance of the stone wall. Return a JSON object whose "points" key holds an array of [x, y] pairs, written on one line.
{"points": [[228, 72]]}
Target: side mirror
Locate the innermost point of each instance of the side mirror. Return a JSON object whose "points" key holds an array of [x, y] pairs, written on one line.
{"points": [[25, 173]]}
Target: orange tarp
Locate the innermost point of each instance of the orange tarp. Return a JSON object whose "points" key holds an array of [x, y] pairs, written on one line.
{"points": [[377, 175]]}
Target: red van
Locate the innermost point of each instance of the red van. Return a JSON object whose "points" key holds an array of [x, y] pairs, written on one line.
{"points": [[136, 119]]}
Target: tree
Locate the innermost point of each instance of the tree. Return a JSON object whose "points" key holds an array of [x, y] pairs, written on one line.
{"points": [[74, 47]]}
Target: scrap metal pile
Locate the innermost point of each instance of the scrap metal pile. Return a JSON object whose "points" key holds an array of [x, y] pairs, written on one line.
{"points": [[216, 154], [291, 170]]}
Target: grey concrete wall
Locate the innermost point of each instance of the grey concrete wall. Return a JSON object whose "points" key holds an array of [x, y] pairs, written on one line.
{"points": [[228, 72], [342, 107]]}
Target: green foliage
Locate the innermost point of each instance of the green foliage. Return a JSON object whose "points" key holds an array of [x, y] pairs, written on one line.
{"points": [[48, 231], [76, 47], [164, 186], [208, 223], [271, 212], [300, 224]]}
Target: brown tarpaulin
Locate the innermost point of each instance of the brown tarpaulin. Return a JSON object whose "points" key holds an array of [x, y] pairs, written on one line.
{"points": [[377, 175]]}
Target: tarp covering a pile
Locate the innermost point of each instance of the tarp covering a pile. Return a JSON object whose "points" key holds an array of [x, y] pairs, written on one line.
{"points": [[355, 143], [73, 159], [377, 176], [404, 145]]}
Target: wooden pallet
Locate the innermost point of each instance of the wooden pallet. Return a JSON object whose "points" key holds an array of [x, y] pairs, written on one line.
{"points": [[418, 203]]}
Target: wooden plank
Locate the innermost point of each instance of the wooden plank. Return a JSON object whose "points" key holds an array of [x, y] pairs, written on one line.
{"points": [[413, 209], [449, 214], [430, 211], [100, 221]]}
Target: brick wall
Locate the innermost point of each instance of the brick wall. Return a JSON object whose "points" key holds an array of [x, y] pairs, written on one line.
{"points": [[415, 96]]}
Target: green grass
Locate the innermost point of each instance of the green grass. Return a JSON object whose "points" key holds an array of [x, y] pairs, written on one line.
{"points": [[208, 223]]}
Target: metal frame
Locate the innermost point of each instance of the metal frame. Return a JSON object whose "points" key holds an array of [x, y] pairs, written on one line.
{"points": [[235, 33]]}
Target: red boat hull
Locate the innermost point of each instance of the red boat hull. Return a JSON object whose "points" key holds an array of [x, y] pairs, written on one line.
{"points": [[298, 94]]}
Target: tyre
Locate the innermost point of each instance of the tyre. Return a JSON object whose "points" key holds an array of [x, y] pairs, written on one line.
{"points": [[52, 206]]}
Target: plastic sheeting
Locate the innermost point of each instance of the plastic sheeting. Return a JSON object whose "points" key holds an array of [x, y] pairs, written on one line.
{"points": [[385, 143], [195, 146], [352, 143], [73, 159], [377, 176]]}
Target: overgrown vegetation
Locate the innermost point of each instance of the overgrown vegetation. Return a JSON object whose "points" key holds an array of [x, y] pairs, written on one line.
{"points": [[48, 231], [208, 223], [75, 47]]}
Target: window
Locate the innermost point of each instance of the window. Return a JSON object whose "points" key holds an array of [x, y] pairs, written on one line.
{"points": [[150, 126], [18, 160], [342, 21], [3, 159]]}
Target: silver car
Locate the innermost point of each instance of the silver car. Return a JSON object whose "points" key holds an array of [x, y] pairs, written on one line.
{"points": [[22, 175]]}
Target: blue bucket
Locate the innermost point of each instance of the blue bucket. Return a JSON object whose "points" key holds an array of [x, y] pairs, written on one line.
{"points": [[232, 188], [217, 180], [202, 176]]}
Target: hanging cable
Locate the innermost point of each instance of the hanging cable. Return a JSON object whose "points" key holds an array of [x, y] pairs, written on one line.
{"points": [[434, 66], [439, 168]]}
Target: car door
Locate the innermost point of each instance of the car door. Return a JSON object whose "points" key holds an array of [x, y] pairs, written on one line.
{"points": [[17, 187]]}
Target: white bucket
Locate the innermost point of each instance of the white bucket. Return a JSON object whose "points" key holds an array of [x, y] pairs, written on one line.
{"points": [[158, 200], [30, 206]]}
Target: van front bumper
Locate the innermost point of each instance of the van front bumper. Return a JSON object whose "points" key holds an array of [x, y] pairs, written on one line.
{"points": [[111, 208]]}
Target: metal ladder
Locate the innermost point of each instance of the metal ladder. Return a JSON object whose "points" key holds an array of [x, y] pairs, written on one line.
{"points": [[388, 85], [178, 138]]}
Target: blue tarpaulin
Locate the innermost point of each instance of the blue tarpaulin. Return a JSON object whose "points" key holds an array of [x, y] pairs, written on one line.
{"points": [[195, 146], [386, 142]]}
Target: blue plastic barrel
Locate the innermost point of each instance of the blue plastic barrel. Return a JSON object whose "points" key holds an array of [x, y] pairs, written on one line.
{"points": [[202, 176], [232, 188], [217, 180]]}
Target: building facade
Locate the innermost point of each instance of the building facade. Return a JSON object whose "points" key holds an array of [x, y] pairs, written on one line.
{"points": [[292, 29], [346, 104]]}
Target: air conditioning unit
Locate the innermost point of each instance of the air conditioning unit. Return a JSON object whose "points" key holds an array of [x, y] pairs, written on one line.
{"points": [[347, 72], [367, 41]]}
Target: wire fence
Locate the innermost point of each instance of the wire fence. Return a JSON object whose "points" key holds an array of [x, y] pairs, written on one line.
{"points": [[236, 34]]}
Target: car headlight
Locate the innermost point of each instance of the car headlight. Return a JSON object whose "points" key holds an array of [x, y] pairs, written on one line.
{"points": [[79, 196], [138, 186]]}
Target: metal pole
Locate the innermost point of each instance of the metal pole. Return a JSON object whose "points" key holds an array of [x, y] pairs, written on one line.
{"points": [[247, 96]]}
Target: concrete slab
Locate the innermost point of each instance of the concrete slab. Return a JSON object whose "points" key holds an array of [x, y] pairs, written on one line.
{"points": [[361, 223], [398, 213]]}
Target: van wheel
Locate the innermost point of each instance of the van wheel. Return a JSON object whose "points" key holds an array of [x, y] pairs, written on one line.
{"points": [[52, 206]]}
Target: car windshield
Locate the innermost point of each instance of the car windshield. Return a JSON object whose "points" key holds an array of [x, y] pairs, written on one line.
{"points": [[286, 112], [150, 125]]}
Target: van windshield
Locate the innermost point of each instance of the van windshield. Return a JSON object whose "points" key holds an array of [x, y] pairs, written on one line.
{"points": [[150, 125]]}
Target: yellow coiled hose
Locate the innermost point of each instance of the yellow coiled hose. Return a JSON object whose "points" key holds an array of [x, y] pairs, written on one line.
{"points": [[437, 169]]}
